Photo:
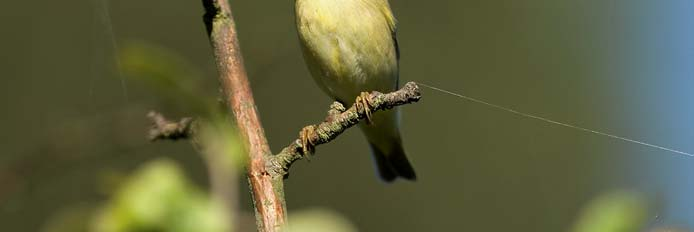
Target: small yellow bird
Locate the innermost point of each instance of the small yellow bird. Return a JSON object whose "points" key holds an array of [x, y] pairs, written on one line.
{"points": [[350, 48]]}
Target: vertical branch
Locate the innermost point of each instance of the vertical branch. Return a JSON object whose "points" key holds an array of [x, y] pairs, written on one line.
{"points": [[267, 191]]}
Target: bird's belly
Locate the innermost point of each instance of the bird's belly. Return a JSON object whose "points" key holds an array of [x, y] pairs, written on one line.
{"points": [[343, 71], [345, 62]]}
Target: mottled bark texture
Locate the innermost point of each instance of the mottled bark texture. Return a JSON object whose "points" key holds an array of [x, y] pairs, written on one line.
{"points": [[338, 120], [267, 192]]}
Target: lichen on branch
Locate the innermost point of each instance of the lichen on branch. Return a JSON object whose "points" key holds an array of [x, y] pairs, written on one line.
{"points": [[338, 120]]}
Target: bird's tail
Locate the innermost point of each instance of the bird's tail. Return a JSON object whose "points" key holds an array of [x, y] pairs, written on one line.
{"points": [[393, 163]]}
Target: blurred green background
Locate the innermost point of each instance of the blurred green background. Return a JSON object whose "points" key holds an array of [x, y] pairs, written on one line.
{"points": [[74, 124]]}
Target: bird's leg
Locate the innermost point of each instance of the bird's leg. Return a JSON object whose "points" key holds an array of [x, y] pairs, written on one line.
{"points": [[363, 103], [305, 136]]}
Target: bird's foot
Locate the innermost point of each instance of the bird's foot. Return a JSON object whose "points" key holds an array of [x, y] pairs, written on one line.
{"points": [[363, 102], [305, 136]]}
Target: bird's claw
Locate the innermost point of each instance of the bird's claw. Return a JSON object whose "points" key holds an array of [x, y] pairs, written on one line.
{"points": [[363, 102], [305, 136]]}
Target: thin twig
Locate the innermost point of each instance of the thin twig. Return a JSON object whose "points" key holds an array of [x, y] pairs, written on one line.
{"points": [[338, 120], [163, 128]]}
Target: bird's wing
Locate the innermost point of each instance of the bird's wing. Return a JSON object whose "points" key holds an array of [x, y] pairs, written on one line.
{"points": [[395, 43], [392, 25]]}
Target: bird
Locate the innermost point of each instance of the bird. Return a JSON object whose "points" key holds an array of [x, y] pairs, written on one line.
{"points": [[351, 49]]}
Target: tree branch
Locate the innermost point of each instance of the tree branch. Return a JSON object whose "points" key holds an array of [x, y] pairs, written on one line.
{"points": [[267, 192], [163, 128], [338, 120], [265, 171]]}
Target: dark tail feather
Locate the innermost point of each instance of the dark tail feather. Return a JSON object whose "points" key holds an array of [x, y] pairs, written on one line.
{"points": [[393, 164]]}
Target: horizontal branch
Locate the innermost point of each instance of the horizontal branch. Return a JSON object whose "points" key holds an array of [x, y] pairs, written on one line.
{"points": [[339, 119]]}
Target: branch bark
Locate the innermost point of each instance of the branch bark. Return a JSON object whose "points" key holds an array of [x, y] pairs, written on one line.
{"points": [[266, 172], [277, 167], [338, 120], [267, 192]]}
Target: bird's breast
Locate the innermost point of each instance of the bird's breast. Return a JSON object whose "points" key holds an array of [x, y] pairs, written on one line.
{"points": [[348, 46]]}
